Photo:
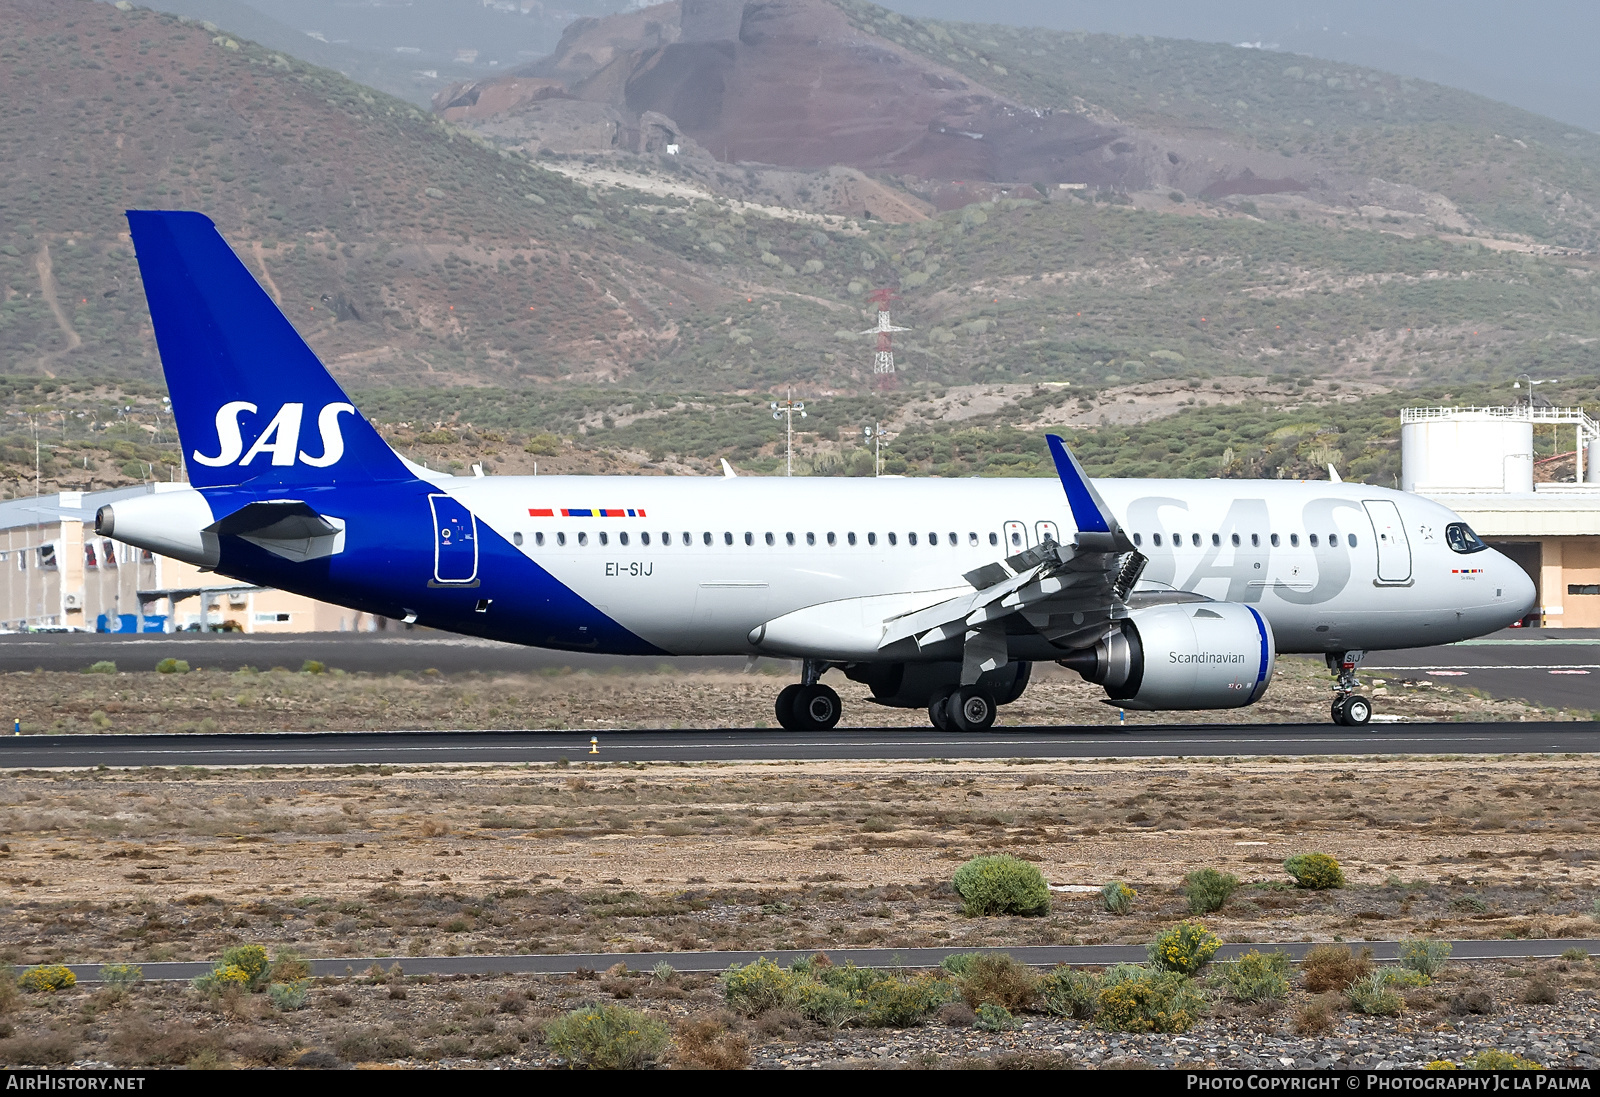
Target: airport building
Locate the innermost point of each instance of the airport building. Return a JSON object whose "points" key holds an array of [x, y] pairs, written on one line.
{"points": [[56, 573], [1480, 463]]}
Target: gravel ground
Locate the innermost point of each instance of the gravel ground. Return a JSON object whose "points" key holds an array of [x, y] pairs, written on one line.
{"points": [[285, 699], [499, 1022]]}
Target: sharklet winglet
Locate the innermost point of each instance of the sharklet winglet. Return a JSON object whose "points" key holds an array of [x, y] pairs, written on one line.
{"points": [[1089, 511]]}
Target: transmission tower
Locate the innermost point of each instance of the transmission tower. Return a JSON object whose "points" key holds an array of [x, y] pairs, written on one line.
{"points": [[883, 361]]}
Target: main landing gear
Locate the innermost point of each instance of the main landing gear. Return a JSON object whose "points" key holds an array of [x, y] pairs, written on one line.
{"points": [[1349, 708], [808, 705], [968, 708]]}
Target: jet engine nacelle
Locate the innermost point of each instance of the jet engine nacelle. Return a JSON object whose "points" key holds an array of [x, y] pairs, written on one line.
{"points": [[1190, 655]]}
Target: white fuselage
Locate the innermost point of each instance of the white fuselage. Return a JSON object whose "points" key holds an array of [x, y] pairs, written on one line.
{"points": [[699, 563]]}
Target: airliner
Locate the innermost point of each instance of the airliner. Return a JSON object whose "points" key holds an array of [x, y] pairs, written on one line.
{"points": [[936, 593]]}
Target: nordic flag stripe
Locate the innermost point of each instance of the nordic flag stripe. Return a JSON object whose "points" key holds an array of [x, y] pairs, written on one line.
{"points": [[587, 512]]}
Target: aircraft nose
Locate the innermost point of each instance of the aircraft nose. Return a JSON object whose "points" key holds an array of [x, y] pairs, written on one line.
{"points": [[1520, 593]]}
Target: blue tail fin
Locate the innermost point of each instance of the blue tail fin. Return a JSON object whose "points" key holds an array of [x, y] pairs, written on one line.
{"points": [[252, 402]]}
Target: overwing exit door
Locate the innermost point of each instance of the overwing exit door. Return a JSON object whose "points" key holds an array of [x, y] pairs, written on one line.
{"points": [[1016, 537], [455, 541], [1394, 551]]}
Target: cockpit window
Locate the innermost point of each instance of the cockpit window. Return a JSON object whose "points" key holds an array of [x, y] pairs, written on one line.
{"points": [[1460, 538]]}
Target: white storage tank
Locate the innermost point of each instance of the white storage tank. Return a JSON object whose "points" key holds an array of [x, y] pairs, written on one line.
{"points": [[1591, 463], [1444, 450]]}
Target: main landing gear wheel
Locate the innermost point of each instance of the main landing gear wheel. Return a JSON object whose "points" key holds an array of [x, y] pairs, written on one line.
{"points": [[1353, 711], [784, 706], [970, 709], [939, 712], [811, 708]]}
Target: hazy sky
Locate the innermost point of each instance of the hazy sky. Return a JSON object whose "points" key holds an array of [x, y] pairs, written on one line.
{"points": [[1536, 54]]}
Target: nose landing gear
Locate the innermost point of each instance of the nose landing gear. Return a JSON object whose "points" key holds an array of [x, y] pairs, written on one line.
{"points": [[808, 705], [1349, 708]]}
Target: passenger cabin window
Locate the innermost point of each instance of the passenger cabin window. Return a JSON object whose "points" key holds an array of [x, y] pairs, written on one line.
{"points": [[1216, 540], [1255, 540], [1138, 538], [516, 539], [1194, 539], [1016, 539], [770, 539], [1235, 540], [787, 537], [622, 538], [727, 538], [561, 538], [1313, 540], [1294, 540], [706, 537], [892, 541], [994, 539], [749, 538], [850, 538], [538, 539], [1274, 540], [911, 538], [1350, 539], [872, 538], [1333, 540], [831, 539], [1460, 538], [583, 538], [604, 539], [644, 538], [687, 539], [1155, 539], [972, 538]]}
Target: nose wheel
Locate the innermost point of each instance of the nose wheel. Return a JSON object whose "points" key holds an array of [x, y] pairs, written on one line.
{"points": [[1352, 712], [1350, 709]]}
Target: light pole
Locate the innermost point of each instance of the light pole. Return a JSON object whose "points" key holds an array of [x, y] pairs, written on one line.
{"points": [[876, 434], [786, 410]]}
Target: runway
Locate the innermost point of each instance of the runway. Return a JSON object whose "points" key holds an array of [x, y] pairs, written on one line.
{"points": [[410, 748], [1555, 667]]}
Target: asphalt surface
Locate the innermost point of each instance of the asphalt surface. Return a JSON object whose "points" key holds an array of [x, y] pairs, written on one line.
{"points": [[402, 748], [1559, 668], [376, 653], [1034, 955]]}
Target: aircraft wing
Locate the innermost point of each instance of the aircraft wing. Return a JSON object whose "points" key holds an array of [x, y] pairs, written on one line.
{"points": [[1059, 589]]}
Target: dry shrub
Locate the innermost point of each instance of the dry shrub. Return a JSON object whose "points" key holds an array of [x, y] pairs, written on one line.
{"points": [[778, 1022], [1538, 991], [708, 1045], [363, 1045], [1316, 1017], [39, 1049], [1333, 967], [143, 1044], [1472, 1000], [999, 980], [432, 829], [261, 1047], [957, 1015]]}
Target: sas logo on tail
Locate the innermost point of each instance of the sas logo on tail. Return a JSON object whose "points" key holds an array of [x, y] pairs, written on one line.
{"points": [[281, 439]]}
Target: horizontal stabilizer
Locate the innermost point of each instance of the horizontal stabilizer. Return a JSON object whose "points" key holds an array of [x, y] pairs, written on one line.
{"points": [[289, 528]]}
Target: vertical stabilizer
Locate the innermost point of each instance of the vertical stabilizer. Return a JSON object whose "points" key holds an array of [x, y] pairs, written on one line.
{"points": [[253, 403]]}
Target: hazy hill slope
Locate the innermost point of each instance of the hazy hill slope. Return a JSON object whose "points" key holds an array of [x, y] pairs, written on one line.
{"points": [[1513, 169], [387, 237]]}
